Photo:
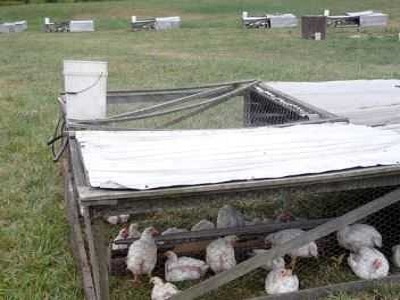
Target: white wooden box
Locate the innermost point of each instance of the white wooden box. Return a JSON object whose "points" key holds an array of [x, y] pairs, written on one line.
{"points": [[167, 23], [81, 26], [285, 20]]}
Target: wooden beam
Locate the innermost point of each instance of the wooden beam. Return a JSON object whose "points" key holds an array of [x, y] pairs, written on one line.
{"points": [[77, 240], [246, 231], [319, 292], [314, 234], [103, 258]]}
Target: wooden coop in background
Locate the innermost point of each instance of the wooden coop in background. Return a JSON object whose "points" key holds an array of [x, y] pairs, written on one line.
{"points": [[323, 198]]}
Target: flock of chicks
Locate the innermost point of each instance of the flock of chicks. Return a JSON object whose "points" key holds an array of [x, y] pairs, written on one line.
{"points": [[360, 239]]}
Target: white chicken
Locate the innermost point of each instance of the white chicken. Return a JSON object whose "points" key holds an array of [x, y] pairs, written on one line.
{"points": [[183, 268], [229, 217], [281, 280], [368, 263], [173, 230], [396, 256], [117, 219], [203, 225], [130, 232], [283, 236], [220, 254], [355, 236], [161, 290], [142, 254], [277, 262]]}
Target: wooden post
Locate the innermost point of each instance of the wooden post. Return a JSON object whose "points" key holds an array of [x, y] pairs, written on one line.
{"points": [[312, 235], [103, 258], [97, 253], [77, 242]]}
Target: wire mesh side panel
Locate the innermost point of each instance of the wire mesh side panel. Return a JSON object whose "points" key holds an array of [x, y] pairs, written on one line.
{"points": [[251, 107], [228, 114], [264, 108], [275, 210]]}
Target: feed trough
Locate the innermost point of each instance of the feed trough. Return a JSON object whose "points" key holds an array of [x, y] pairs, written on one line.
{"points": [[170, 157]]}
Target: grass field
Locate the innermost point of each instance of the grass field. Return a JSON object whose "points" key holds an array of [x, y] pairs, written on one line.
{"points": [[211, 46]]}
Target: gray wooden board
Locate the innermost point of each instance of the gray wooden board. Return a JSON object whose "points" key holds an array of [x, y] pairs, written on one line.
{"points": [[245, 231], [103, 258], [323, 230], [319, 292], [77, 239]]}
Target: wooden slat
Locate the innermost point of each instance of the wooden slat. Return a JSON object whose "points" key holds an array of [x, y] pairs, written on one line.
{"points": [[77, 241], [103, 258], [319, 292], [326, 182], [92, 252], [312, 235], [246, 231]]}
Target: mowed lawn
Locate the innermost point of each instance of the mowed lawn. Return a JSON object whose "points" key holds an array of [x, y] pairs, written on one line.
{"points": [[211, 46]]}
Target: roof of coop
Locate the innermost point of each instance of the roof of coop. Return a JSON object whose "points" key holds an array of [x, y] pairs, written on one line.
{"points": [[152, 159], [368, 102]]}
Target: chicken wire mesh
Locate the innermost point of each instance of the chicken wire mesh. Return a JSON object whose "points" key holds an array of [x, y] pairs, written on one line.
{"points": [[276, 211], [233, 106]]}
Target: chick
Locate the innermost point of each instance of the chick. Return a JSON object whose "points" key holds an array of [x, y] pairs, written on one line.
{"points": [[161, 290], [183, 268], [229, 217], [142, 254], [356, 236], [281, 280], [283, 236], [368, 263], [220, 254]]}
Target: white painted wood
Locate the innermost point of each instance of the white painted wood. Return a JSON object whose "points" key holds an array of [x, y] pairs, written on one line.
{"points": [[85, 84], [163, 23], [81, 25], [151, 159], [283, 20], [374, 20], [17, 26], [359, 13]]}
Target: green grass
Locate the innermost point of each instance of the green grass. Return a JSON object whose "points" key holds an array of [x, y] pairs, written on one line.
{"points": [[35, 258]]}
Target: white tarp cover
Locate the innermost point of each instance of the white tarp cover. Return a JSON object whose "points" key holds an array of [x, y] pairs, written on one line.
{"points": [[368, 102], [151, 159]]}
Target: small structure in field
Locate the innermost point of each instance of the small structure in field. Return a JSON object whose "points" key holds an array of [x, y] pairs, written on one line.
{"points": [[157, 23], [17, 26], [55, 26], [81, 25], [269, 21], [68, 26], [368, 18]]}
